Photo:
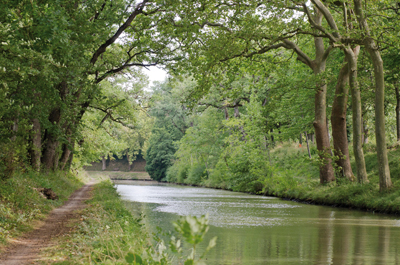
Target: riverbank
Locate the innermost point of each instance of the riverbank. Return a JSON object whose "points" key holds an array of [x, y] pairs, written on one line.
{"points": [[99, 230], [297, 179], [294, 176], [106, 232]]}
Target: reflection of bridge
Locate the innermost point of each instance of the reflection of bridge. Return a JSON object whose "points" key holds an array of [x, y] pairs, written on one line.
{"points": [[121, 175], [131, 179]]}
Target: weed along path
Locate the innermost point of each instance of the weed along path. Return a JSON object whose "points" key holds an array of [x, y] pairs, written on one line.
{"points": [[26, 250]]}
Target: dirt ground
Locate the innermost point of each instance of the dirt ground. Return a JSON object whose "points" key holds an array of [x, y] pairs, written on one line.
{"points": [[26, 250]]}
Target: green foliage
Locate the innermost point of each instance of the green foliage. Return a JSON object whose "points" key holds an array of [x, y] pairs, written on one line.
{"points": [[133, 259], [177, 174], [120, 130], [159, 154], [169, 126], [197, 174], [193, 230], [59, 61]]}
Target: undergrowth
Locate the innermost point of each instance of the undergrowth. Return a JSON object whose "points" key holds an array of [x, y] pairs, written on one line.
{"points": [[20, 203], [298, 179]]}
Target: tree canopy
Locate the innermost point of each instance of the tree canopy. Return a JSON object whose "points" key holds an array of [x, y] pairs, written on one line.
{"points": [[244, 75]]}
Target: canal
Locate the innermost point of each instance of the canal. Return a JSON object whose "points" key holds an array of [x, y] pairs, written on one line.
{"points": [[266, 230]]}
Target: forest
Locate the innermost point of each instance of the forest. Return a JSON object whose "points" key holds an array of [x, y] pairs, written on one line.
{"points": [[292, 98], [245, 77]]}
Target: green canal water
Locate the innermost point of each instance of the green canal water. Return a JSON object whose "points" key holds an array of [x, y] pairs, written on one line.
{"points": [[266, 230]]}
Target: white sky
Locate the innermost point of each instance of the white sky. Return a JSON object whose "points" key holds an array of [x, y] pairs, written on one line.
{"points": [[155, 74]]}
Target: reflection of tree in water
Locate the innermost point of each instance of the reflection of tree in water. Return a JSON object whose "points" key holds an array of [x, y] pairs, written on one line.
{"points": [[360, 232], [325, 236], [342, 240], [382, 250], [345, 242]]}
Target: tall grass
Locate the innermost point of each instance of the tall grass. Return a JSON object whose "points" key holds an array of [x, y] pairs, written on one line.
{"points": [[20, 203]]}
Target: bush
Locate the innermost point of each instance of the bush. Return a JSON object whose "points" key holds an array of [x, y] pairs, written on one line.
{"points": [[196, 174]]}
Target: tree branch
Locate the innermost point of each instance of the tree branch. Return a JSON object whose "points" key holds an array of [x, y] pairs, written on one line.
{"points": [[109, 115], [138, 10], [328, 16], [119, 69], [301, 56], [333, 37]]}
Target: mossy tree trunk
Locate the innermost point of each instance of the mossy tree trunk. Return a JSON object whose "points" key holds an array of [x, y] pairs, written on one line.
{"points": [[339, 130]]}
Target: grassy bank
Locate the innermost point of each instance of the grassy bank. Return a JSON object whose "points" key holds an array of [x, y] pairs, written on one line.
{"points": [[108, 233], [293, 175], [21, 205], [296, 177], [105, 234]]}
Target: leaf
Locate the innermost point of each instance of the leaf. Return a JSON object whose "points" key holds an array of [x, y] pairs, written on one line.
{"points": [[212, 243], [130, 258], [189, 262], [133, 259]]}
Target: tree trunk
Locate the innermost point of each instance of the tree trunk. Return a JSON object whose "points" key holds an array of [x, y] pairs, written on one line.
{"points": [[396, 87], [56, 157], [50, 152], [365, 128], [326, 173], [237, 116], [226, 114], [65, 155], [327, 129], [339, 130], [318, 66], [236, 112], [36, 145], [351, 56], [308, 146], [69, 162], [14, 128], [384, 174], [129, 162], [272, 137], [103, 162], [51, 142]]}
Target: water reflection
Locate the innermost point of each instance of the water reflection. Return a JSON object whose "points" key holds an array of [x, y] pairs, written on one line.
{"points": [[265, 230]]}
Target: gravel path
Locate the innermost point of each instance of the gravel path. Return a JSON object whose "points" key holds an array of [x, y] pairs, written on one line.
{"points": [[26, 250]]}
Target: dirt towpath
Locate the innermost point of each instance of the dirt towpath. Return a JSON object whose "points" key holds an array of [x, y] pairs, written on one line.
{"points": [[26, 249]]}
